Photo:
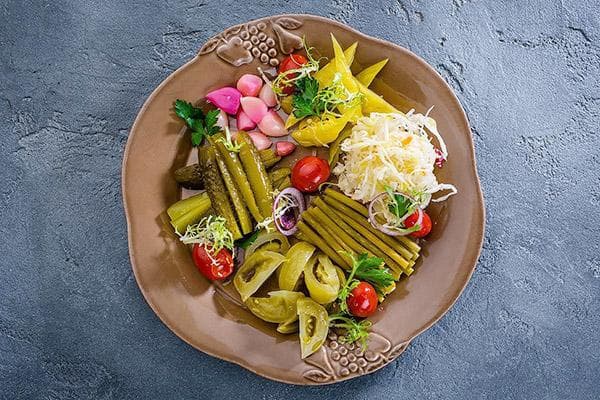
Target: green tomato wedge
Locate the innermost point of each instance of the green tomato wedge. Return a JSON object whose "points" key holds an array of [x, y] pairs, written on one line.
{"points": [[288, 327], [278, 308], [314, 325], [322, 280], [255, 270], [292, 268]]}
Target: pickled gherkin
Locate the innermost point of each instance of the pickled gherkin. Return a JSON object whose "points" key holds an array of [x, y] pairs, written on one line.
{"points": [[255, 270], [321, 279], [314, 325], [279, 307], [292, 269]]}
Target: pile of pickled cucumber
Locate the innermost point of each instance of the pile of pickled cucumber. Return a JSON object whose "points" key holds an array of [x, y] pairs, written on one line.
{"points": [[229, 176]]}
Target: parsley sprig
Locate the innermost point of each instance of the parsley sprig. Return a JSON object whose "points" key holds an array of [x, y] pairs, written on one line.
{"points": [[398, 205], [201, 124], [356, 331], [401, 207], [304, 100], [364, 268], [309, 100]]}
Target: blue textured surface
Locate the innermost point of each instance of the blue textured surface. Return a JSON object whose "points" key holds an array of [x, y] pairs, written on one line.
{"points": [[73, 75]]}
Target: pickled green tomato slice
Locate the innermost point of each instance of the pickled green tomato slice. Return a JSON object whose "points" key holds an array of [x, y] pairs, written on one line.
{"points": [[292, 268], [255, 270], [272, 241], [314, 325], [321, 279], [288, 327], [278, 308]]}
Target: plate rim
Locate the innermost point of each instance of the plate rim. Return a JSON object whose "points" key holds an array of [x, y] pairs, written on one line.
{"points": [[471, 148]]}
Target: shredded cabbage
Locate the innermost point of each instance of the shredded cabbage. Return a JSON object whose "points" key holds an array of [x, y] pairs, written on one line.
{"points": [[393, 150]]}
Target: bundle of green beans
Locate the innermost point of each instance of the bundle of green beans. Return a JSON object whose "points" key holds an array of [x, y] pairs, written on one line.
{"points": [[337, 224]]}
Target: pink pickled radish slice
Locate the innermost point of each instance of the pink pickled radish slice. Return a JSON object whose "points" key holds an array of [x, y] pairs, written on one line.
{"points": [[249, 85], [254, 107], [268, 96], [226, 99], [272, 125], [261, 141], [244, 123], [284, 148]]}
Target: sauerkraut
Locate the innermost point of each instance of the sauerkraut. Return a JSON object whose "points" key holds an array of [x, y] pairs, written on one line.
{"points": [[392, 150]]}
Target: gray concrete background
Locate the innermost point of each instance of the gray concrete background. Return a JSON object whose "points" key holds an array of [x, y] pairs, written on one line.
{"points": [[73, 75]]}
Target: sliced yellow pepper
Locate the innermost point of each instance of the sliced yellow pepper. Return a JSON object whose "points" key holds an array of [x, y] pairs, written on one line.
{"points": [[320, 132], [367, 75], [342, 67], [324, 76], [326, 73], [372, 102]]}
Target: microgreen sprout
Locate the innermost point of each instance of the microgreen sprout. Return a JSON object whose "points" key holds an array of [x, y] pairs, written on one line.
{"points": [[210, 231]]}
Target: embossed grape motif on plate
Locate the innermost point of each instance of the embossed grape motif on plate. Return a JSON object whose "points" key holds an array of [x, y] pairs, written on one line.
{"points": [[264, 41]]}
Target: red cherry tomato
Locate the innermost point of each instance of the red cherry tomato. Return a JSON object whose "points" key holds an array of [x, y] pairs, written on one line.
{"points": [[293, 61], [309, 173], [362, 301], [220, 266], [425, 224]]}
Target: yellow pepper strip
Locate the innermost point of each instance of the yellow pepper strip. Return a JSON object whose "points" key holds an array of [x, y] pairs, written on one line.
{"points": [[367, 75], [372, 102], [320, 132], [291, 120], [324, 74], [342, 67]]}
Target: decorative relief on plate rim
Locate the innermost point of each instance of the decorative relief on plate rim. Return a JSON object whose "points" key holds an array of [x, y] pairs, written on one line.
{"points": [[336, 360], [263, 40]]}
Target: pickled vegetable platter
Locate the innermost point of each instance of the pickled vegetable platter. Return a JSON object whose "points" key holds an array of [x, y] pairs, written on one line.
{"points": [[329, 236], [289, 211]]}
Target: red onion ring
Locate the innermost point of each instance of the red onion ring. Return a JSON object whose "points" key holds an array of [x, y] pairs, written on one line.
{"points": [[300, 206], [396, 231]]}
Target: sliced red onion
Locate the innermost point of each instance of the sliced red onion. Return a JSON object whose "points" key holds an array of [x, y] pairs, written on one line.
{"points": [[440, 158], [393, 231], [286, 223]]}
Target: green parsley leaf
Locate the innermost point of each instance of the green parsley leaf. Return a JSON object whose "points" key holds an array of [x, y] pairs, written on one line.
{"points": [[368, 269], [210, 122], [187, 111], [196, 138], [399, 205], [303, 101], [200, 124]]}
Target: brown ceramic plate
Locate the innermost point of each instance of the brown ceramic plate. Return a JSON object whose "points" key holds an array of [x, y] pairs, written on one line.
{"points": [[201, 313]]}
